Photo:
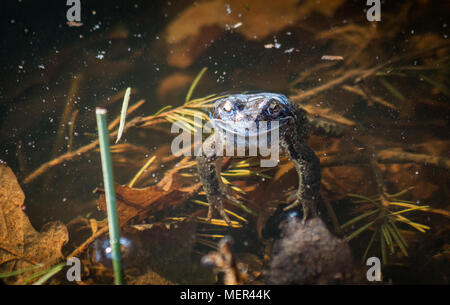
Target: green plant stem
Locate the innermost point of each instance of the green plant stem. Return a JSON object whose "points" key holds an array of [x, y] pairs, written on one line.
{"points": [[110, 196], [50, 272]]}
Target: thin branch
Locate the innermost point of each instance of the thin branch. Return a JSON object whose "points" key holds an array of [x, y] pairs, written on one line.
{"points": [[386, 157]]}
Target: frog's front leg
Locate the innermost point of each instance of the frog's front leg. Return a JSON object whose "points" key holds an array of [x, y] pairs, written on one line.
{"points": [[208, 165], [308, 168]]}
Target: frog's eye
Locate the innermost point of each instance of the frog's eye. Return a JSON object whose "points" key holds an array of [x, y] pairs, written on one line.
{"points": [[274, 108], [227, 106]]}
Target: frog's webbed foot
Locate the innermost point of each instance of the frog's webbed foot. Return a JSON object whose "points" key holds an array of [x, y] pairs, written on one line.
{"points": [[216, 203], [308, 211], [295, 204], [216, 192], [218, 199]]}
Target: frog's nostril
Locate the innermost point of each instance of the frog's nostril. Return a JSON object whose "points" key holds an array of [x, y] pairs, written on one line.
{"points": [[240, 106]]}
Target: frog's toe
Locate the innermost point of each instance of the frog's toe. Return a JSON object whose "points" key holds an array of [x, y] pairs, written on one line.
{"points": [[218, 206], [225, 216], [235, 199], [295, 204], [210, 212], [308, 208]]}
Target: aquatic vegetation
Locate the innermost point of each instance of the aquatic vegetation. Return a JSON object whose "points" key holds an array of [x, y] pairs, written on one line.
{"points": [[123, 113], [385, 84], [26, 255], [108, 182], [380, 216]]}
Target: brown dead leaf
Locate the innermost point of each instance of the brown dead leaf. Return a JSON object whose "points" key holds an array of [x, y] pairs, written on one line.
{"points": [[171, 191], [426, 41], [402, 176], [21, 246], [337, 182], [134, 201], [200, 24]]}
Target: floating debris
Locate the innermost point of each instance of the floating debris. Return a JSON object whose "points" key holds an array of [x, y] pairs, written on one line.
{"points": [[74, 24], [332, 57], [237, 25], [223, 261], [289, 51]]}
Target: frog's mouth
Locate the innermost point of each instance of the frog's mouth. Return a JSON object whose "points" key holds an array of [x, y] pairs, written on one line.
{"points": [[248, 129]]}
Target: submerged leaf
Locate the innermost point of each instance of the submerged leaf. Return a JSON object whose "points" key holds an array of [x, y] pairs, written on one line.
{"points": [[134, 201], [21, 246]]}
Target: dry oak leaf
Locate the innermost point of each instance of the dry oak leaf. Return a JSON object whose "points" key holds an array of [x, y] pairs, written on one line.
{"points": [[21, 246], [134, 201]]}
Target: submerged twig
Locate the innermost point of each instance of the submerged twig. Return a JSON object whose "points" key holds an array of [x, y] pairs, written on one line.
{"points": [[71, 129], [68, 109], [385, 156], [70, 155]]}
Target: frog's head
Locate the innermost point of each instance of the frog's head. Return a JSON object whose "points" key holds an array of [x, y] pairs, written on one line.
{"points": [[243, 114]]}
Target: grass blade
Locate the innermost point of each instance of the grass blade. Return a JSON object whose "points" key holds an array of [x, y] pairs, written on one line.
{"points": [[110, 195], [398, 234], [51, 272], [17, 272], [162, 110], [182, 124], [147, 164], [425, 207], [359, 231], [193, 113], [123, 113], [383, 251], [399, 240], [367, 199], [194, 84], [417, 226], [226, 211], [394, 91], [442, 87], [372, 239], [187, 120], [352, 221], [387, 237]]}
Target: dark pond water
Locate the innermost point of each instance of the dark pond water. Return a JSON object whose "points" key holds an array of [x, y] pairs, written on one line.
{"points": [[385, 83]]}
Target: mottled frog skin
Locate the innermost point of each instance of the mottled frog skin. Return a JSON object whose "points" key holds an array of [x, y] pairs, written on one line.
{"points": [[238, 111]]}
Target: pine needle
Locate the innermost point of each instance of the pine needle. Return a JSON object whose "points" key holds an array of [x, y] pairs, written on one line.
{"points": [[356, 219], [359, 231], [136, 177], [194, 84], [226, 211], [374, 234], [163, 109]]}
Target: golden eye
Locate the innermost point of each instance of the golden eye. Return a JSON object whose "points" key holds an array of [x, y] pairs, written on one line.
{"points": [[274, 108], [227, 106]]}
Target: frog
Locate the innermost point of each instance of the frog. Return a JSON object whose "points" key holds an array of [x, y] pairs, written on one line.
{"points": [[238, 114]]}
